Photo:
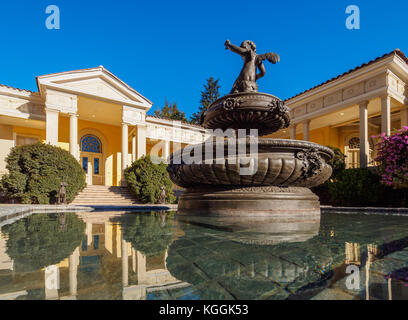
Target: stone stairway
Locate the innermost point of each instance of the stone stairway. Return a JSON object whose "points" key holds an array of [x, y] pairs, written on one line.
{"points": [[104, 195]]}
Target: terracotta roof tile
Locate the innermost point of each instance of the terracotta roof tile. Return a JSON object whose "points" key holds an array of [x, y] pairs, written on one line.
{"points": [[397, 52], [13, 88]]}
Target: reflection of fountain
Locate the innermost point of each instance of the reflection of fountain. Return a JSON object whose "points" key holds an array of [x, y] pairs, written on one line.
{"points": [[280, 172], [244, 268], [259, 230]]}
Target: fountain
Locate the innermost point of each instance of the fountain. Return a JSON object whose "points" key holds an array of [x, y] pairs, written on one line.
{"points": [[277, 188]]}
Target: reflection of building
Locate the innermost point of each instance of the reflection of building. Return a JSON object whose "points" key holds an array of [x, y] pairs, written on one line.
{"points": [[103, 266], [353, 253]]}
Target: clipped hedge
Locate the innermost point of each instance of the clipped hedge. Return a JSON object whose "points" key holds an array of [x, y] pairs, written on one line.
{"points": [[36, 171], [145, 179], [357, 187]]}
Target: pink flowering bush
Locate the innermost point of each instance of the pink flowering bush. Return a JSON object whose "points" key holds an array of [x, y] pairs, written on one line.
{"points": [[393, 158]]}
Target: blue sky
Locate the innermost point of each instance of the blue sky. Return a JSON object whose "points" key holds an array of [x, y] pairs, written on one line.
{"points": [[167, 49]]}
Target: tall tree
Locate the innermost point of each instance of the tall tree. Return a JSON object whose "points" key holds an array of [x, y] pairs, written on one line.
{"points": [[208, 96], [170, 111]]}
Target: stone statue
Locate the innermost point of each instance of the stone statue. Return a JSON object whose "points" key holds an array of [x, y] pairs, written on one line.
{"points": [[62, 194], [162, 197], [246, 81]]}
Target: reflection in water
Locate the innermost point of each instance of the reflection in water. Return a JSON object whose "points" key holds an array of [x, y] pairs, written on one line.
{"points": [[116, 255]]}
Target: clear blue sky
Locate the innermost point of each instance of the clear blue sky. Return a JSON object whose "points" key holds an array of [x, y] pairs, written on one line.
{"points": [[167, 49]]}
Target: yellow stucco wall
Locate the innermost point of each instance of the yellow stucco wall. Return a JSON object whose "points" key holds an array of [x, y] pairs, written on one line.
{"points": [[6, 143]]}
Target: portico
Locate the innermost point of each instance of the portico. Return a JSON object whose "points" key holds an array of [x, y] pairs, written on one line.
{"points": [[347, 111], [95, 116]]}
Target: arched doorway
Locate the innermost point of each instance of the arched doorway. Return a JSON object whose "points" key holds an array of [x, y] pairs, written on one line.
{"points": [[92, 160], [352, 152]]}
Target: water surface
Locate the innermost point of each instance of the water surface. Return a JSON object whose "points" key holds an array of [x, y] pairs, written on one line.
{"points": [[158, 255]]}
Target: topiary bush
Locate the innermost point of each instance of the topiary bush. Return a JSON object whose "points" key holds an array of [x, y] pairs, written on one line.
{"points": [[357, 187], [145, 179], [36, 171]]}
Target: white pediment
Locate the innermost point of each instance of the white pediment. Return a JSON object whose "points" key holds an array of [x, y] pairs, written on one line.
{"points": [[95, 82], [97, 86]]}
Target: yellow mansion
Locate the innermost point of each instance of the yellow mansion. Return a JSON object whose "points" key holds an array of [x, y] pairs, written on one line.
{"points": [[99, 118]]}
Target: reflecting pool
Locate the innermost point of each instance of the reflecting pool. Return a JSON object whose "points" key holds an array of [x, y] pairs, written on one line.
{"points": [[159, 255]]}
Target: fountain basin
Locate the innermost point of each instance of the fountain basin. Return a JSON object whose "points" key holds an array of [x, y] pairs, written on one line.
{"points": [[280, 162], [247, 110]]}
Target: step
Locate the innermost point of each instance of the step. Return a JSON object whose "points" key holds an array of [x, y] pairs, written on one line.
{"points": [[105, 195]]}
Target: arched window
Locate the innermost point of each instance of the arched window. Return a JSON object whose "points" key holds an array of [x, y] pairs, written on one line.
{"points": [[354, 143], [91, 143]]}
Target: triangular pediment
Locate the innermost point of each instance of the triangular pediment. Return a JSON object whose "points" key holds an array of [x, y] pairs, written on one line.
{"points": [[96, 82], [97, 86]]}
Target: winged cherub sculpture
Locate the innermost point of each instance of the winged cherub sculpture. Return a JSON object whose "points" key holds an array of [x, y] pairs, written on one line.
{"points": [[246, 81]]}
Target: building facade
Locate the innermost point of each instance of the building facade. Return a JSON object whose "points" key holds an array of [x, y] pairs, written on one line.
{"points": [[102, 121], [93, 115]]}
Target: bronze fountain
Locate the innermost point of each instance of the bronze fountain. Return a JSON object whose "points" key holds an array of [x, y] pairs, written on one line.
{"points": [[279, 188]]}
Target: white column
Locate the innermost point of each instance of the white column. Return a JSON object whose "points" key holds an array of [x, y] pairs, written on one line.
{"points": [[386, 114], [124, 149], [306, 129], [134, 148], [166, 150], [141, 141], [364, 146], [73, 271], [292, 130], [404, 116], [125, 263], [51, 126], [73, 135]]}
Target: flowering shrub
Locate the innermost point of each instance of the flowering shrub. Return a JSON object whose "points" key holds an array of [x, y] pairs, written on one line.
{"points": [[393, 158]]}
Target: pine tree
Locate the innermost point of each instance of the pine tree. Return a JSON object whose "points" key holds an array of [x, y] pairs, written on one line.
{"points": [[170, 111], [208, 96]]}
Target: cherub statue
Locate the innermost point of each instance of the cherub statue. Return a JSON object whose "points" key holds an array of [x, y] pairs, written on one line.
{"points": [[62, 194], [246, 81]]}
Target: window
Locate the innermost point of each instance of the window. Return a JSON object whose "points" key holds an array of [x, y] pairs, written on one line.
{"points": [[354, 143], [91, 143], [23, 140], [96, 166], [85, 164]]}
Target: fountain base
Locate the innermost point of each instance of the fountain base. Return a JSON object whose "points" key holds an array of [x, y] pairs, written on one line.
{"points": [[283, 203]]}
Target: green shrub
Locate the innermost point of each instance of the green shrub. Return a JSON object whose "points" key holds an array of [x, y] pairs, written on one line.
{"points": [[36, 171], [338, 163], [145, 179], [42, 240], [357, 187]]}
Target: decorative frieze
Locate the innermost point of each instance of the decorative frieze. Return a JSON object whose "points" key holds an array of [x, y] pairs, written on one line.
{"points": [[61, 101], [133, 115], [314, 105], [176, 134], [353, 91]]}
